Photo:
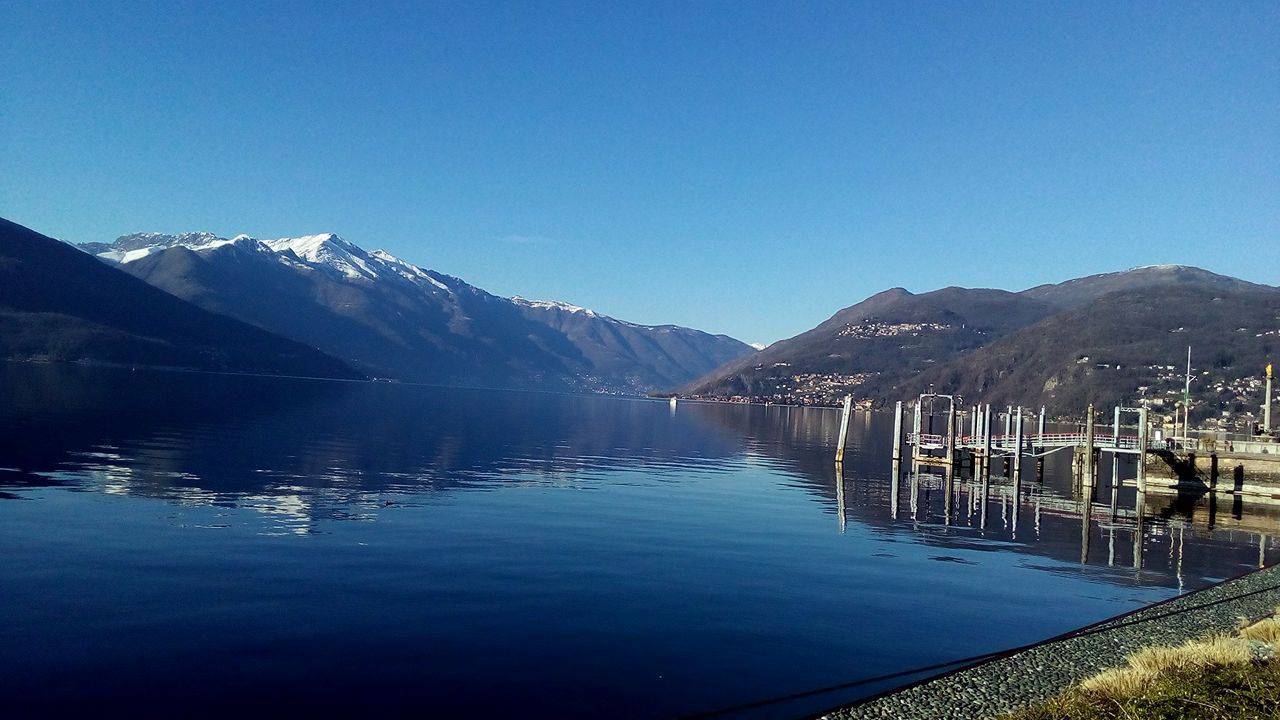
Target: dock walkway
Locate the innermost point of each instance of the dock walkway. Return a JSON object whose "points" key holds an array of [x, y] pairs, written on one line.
{"points": [[926, 441]]}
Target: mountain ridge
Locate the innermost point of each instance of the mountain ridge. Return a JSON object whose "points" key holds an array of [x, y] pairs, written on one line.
{"points": [[896, 343], [58, 304], [395, 319], [1076, 291]]}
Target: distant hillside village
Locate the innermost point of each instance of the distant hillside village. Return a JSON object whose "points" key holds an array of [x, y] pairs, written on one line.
{"points": [[1111, 339], [1218, 400], [1221, 397]]}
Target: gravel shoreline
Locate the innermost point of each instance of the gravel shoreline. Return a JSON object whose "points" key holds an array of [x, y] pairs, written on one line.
{"points": [[1001, 685]]}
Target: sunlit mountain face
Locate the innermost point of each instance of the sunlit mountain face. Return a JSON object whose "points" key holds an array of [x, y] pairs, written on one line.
{"points": [[396, 320]]}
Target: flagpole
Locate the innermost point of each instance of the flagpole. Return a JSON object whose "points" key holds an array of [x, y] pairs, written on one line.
{"points": [[1266, 409], [1186, 400]]}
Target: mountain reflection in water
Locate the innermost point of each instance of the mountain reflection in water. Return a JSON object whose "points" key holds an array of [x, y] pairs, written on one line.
{"points": [[308, 546]]}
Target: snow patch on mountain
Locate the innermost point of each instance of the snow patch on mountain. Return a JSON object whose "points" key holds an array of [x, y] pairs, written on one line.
{"points": [[408, 270], [140, 241], [556, 305], [124, 256], [1167, 267]]}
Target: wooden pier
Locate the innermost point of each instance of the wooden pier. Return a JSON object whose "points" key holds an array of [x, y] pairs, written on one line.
{"points": [[982, 440], [943, 437], [969, 439]]}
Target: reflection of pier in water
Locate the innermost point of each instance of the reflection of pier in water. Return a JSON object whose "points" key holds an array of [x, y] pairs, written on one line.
{"points": [[977, 491], [1022, 511]]}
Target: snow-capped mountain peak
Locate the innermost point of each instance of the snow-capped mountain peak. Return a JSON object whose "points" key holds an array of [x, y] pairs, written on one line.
{"points": [[128, 248], [313, 247], [329, 251], [334, 256], [394, 319], [324, 251]]}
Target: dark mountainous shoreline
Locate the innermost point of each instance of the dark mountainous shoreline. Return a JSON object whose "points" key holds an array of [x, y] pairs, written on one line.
{"points": [[59, 304], [322, 306], [1110, 338]]}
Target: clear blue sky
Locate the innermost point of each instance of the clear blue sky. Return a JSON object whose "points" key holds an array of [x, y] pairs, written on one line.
{"points": [[737, 167]]}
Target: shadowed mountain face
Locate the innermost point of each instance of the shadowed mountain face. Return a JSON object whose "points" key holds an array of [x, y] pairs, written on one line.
{"points": [[394, 319], [56, 303], [1098, 338]]}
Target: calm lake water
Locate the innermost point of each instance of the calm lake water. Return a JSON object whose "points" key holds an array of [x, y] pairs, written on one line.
{"points": [[191, 543]]}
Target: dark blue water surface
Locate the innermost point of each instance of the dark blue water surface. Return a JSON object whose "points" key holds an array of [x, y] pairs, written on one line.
{"points": [[202, 544]]}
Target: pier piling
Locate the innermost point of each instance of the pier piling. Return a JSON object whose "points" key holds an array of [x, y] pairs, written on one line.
{"points": [[1115, 454], [950, 466], [986, 443], [951, 436], [1017, 445], [1143, 431], [844, 428], [1090, 469], [915, 446], [897, 435]]}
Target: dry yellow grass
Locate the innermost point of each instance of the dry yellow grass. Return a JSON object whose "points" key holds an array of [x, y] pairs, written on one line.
{"points": [[1146, 665], [1215, 651], [1267, 631], [1115, 683], [1216, 677]]}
